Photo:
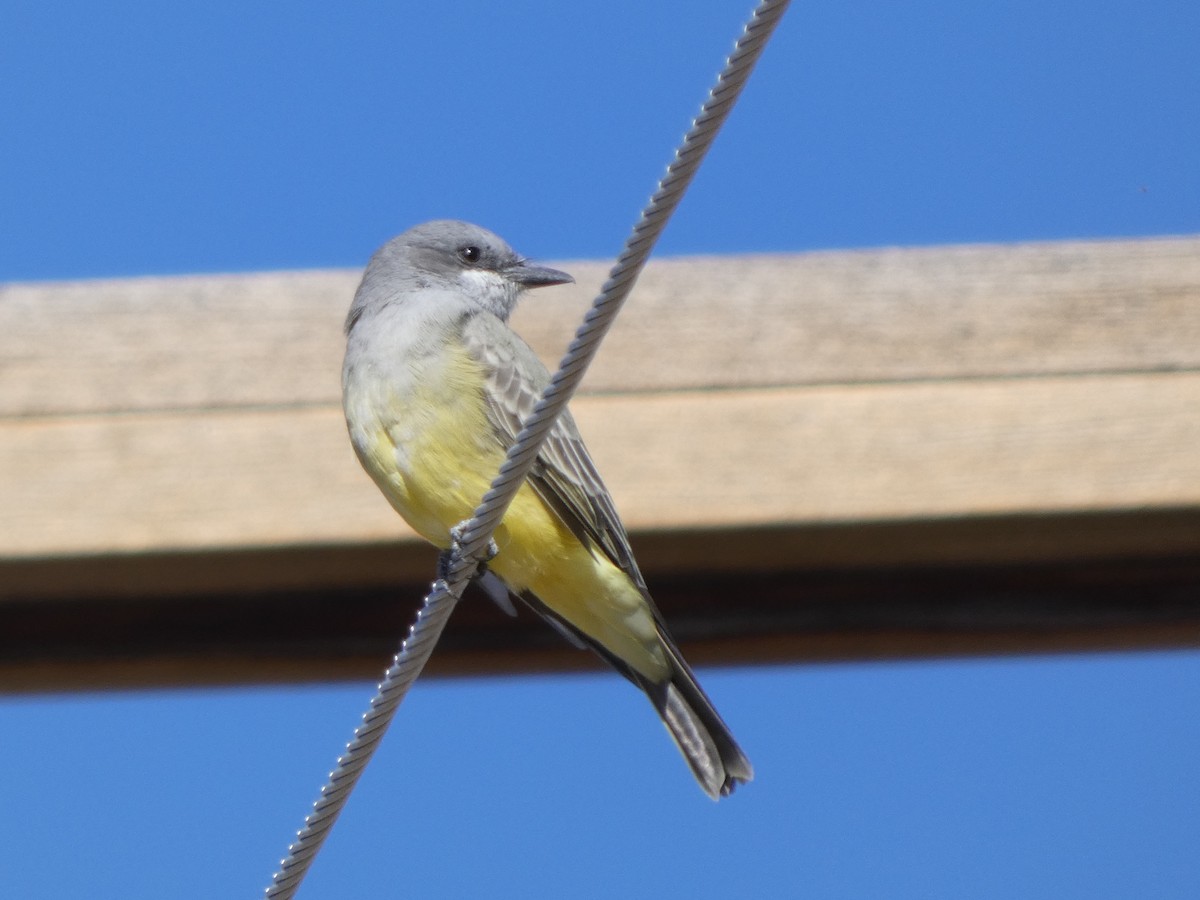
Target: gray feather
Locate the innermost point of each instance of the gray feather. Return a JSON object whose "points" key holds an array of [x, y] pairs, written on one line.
{"points": [[447, 280], [566, 480]]}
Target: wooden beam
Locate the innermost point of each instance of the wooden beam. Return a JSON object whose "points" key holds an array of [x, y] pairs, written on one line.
{"points": [[274, 340], [175, 445]]}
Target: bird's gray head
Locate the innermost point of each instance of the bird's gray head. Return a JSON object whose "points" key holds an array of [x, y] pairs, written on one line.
{"points": [[450, 256]]}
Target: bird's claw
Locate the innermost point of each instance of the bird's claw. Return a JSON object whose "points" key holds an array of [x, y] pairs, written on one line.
{"points": [[446, 556], [456, 535]]}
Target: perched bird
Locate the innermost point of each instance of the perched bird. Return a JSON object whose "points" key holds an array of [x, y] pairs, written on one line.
{"points": [[435, 388]]}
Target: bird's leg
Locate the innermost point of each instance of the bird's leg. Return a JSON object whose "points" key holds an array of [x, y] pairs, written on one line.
{"points": [[456, 536], [485, 579], [443, 565]]}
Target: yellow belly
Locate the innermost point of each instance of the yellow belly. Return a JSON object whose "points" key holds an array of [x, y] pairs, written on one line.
{"points": [[433, 453]]}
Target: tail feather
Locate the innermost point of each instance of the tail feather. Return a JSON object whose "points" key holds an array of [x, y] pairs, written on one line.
{"points": [[693, 723], [702, 737]]}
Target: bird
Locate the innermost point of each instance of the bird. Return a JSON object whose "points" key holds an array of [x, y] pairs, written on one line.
{"points": [[435, 387]]}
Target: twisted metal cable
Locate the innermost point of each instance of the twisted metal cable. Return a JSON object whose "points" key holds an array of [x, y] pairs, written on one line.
{"points": [[688, 156], [406, 665], [474, 535]]}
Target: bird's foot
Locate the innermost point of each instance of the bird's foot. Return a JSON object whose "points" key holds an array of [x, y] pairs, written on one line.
{"points": [[447, 556], [459, 531]]}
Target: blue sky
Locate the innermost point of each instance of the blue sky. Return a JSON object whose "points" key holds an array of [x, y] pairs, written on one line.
{"points": [[170, 138]]}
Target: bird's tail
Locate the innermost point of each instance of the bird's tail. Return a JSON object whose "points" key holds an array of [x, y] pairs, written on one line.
{"points": [[702, 737]]}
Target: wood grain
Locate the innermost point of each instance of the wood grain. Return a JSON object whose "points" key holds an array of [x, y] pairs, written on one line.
{"points": [[206, 480], [274, 339], [177, 444]]}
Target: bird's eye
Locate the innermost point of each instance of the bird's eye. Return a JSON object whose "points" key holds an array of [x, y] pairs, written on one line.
{"points": [[470, 254]]}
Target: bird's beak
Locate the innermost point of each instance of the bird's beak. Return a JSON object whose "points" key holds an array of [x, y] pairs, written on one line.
{"points": [[529, 275]]}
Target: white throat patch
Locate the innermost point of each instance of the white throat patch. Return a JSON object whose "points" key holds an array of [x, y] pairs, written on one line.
{"points": [[490, 289]]}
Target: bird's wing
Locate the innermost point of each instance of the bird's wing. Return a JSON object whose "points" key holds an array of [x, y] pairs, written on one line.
{"points": [[564, 476]]}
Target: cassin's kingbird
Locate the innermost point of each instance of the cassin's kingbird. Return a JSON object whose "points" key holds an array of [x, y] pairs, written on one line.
{"points": [[435, 388]]}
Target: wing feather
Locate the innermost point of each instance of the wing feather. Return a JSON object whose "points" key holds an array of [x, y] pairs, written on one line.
{"points": [[564, 476]]}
